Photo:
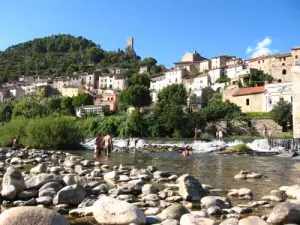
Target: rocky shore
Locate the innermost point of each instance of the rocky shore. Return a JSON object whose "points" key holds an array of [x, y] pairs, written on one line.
{"points": [[57, 188]]}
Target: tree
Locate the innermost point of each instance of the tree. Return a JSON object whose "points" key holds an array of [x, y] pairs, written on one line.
{"points": [[174, 93], [136, 96], [5, 112], [54, 104], [66, 106], [133, 126], [149, 62], [282, 114], [219, 109], [82, 99], [29, 108], [140, 79], [94, 54]]}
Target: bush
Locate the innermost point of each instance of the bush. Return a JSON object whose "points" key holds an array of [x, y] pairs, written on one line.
{"points": [[260, 115], [241, 148], [206, 136], [44, 133], [8, 131]]}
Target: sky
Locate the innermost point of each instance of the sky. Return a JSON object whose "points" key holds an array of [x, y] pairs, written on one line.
{"points": [[163, 29]]}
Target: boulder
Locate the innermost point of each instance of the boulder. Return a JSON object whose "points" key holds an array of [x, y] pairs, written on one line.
{"points": [[113, 175], [52, 185], [230, 221], [293, 191], [8, 192], [71, 195], [28, 194], [170, 222], [41, 168], [245, 191], [276, 196], [81, 212], [108, 210], [221, 202], [39, 180], [190, 219], [174, 212], [30, 215], [252, 220], [190, 188], [254, 175], [149, 189], [286, 212], [13, 177], [46, 200], [70, 179], [240, 176]]}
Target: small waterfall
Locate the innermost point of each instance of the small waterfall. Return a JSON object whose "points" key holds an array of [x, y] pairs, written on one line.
{"points": [[201, 146]]}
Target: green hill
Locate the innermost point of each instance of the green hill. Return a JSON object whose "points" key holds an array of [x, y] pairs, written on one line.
{"points": [[64, 54]]}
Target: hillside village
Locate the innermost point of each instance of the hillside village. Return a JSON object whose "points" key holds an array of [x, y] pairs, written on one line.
{"points": [[231, 76]]}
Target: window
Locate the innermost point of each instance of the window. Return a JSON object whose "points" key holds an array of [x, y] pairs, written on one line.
{"points": [[105, 80], [263, 61], [291, 98], [176, 80], [258, 62], [283, 64], [283, 72], [296, 57], [90, 78], [284, 59], [270, 101], [247, 101], [281, 99]]}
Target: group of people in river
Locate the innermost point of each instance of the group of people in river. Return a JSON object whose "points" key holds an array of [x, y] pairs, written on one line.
{"points": [[103, 143]]}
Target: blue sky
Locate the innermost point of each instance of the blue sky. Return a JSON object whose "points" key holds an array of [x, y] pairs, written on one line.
{"points": [[163, 29]]}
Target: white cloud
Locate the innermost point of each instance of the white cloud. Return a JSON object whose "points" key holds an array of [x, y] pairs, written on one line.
{"points": [[249, 50], [261, 48]]}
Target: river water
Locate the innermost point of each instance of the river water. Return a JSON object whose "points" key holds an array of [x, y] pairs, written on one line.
{"points": [[216, 170]]}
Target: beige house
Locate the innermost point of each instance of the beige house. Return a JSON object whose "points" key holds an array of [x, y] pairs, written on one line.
{"points": [[70, 91], [278, 65], [249, 99]]}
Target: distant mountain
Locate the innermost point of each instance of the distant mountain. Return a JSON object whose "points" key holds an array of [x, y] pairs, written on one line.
{"points": [[63, 54]]}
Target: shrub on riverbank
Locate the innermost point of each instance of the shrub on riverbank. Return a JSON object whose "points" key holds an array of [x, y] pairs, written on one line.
{"points": [[44, 133]]}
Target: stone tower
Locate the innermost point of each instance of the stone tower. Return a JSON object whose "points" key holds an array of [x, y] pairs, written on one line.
{"points": [[296, 98], [129, 44]]}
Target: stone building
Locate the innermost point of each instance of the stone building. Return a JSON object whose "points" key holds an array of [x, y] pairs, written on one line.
{"points": [[296, 96]]}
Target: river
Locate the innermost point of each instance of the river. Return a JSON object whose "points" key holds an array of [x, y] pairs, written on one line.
{"points": [[216, 170]]}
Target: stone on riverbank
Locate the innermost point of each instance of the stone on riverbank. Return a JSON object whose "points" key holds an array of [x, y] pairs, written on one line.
{"points": [[175, 211], [110, 211], [190, 188], [286, 212], [30, 215], [70, 195], [230, 221], [12, 183], [252, 220], [293, 191], [39, 180], [41, 168]]}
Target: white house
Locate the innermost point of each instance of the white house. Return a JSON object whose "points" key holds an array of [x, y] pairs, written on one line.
{"points": [[275, 92]]}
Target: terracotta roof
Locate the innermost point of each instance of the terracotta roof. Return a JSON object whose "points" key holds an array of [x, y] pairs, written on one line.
{"points": [[283, 55], [262, 57], [249, 91], [296, 48]]}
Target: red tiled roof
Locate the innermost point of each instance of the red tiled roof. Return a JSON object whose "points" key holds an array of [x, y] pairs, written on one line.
{"points": [[262, 57], [249, 91], [284, 55], [296, 48]]}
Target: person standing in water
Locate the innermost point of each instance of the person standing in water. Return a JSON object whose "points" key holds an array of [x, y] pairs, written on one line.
{"points": [[220, 134], [16, 143], [196, 132], [107, 144], [97, 145]]}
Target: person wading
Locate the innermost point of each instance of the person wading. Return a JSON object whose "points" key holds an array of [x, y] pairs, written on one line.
{"points": [[16, 143], [186, 152], [97, 145], [107, 144]]}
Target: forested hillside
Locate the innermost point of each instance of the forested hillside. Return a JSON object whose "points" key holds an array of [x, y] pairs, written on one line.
{"points": [[64, 54]]}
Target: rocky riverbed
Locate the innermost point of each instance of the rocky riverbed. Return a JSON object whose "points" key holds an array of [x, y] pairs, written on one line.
{"points": [[58, 188]]}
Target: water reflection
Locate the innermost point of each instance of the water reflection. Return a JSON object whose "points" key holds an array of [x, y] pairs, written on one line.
{"points": [[217, 170]]}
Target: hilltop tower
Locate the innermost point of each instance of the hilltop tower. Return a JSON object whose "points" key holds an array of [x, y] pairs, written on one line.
{"points": [[129, 44]]}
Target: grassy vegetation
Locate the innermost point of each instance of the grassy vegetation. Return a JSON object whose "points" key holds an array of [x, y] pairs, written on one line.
{"points": [[241, 148]]}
